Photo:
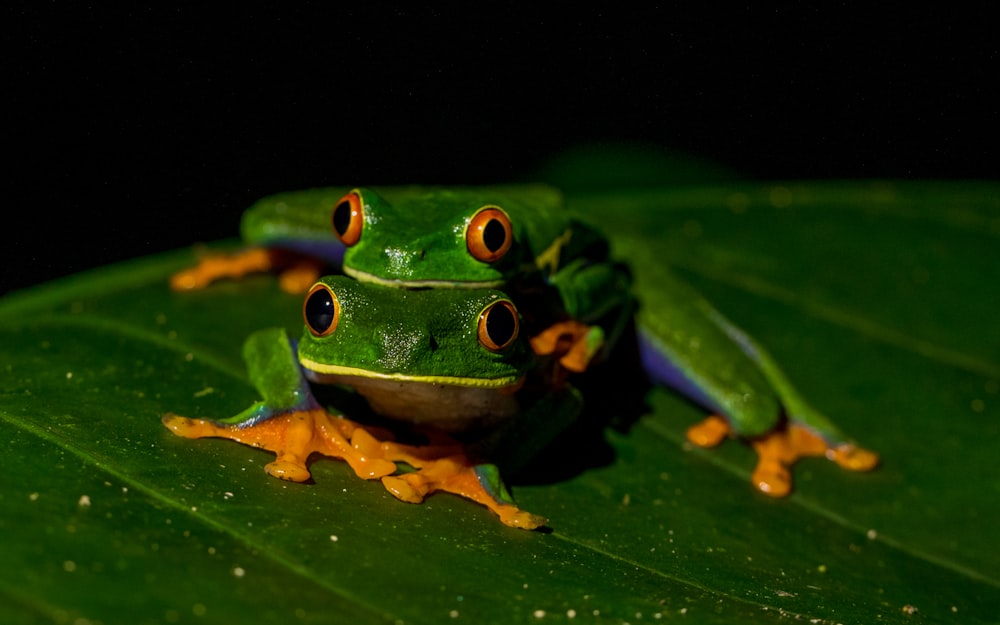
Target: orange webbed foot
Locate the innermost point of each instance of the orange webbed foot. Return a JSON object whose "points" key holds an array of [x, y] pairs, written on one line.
{"points": [[300, 275], [853, 458], [778, 450], [710, 432], [214, 267], [446, 467], [573, 343], [293, 437], [296, 272]]}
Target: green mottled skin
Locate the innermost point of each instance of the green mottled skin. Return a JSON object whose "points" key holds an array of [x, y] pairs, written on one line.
{"points": [[426, 333]]}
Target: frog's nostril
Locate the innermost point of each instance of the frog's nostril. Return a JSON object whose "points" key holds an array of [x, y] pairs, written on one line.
{"points": [[421, 254], [434, 344]]}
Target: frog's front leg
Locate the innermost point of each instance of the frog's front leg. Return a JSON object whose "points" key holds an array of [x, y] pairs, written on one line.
{"points": [[569, 343], [779, 449], [446, 465], [289, 421], [449, 468], [293, 436], [597, 298], [297, 272]]}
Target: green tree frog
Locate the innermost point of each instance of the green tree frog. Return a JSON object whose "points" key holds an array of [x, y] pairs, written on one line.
{"points": [[448, 362], [517, 237], [574, 297]]}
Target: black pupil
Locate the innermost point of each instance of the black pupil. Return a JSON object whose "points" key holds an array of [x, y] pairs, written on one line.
{"points": [[494, 235], [320, 311], [342, 217], [500, 324]]}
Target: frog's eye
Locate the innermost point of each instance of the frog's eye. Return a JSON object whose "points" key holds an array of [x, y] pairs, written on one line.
{"points": [[489, 235], [321, 310], [348, 217], [498, 325]]}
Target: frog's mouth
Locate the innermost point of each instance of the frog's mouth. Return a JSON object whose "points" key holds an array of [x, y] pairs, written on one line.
{"points": [[362, 276], [445, 402]]}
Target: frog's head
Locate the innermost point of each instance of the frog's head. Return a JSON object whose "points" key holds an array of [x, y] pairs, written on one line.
{"points": [[438, 237], [451, 358]]}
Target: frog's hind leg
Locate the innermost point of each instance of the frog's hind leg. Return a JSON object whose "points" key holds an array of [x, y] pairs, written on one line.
{"points": [[779, 449], [801, 413], [853, 458], [710, 432]]}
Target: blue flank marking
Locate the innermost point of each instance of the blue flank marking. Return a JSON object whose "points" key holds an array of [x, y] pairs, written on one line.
{"points": [[664, 372], [329, 251]]}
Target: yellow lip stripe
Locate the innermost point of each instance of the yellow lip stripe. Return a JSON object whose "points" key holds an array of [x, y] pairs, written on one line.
{"points": [[401, 377]]}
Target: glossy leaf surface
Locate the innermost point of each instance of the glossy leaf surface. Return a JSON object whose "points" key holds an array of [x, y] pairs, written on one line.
{"points": [[879, 299]]}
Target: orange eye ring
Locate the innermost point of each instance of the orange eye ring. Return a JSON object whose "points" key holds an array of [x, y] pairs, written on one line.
{"points": [[321, 310], [489, 234], [498, 326], [348, 218]]}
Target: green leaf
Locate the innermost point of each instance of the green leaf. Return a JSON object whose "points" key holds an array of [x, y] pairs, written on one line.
{"points": [[879, 298]]}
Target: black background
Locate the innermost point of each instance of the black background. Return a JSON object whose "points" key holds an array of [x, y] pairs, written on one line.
{"points": [[131, 131]]}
